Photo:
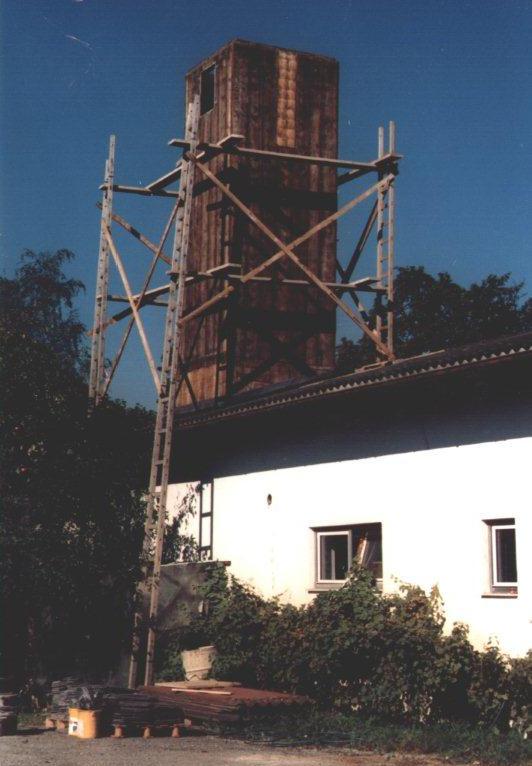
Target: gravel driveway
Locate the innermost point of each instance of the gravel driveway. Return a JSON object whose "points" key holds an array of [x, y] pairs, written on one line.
{"points": [[58, 749]]}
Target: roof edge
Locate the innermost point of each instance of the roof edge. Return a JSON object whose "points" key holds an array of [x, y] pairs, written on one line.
{"points": [[436, 362]]}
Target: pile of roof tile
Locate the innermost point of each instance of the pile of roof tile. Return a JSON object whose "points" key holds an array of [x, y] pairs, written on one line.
{"points": [[230, 704], [65, 694], [127, 708], [120, 706]]}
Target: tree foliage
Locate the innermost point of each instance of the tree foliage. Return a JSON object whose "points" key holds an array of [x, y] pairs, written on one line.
{"points": [[71, 487], [435, 312], [177, 544]]}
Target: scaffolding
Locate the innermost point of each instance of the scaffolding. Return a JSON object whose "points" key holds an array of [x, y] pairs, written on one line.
{"points": [[377, 325]]}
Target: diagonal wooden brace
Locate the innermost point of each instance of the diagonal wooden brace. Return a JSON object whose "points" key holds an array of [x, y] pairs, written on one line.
{"points": [[366, 231], [286, 250], [279, 254], [158, 253], [133, 304], [141, 237]]}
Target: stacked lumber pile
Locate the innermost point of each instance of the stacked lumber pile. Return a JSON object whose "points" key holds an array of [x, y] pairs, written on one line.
{"points": [[120, 707], [136, 709], [9, 707], [65, 694], [225, 704]]}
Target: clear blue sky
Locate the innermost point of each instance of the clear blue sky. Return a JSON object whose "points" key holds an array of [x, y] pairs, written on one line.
{"points": [[455, 76]]}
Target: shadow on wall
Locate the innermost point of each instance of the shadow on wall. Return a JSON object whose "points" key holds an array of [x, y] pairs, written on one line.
{"points": [[456, 409]]}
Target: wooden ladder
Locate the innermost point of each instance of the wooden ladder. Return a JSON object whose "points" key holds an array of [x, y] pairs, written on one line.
{"points": [[166, 403], [385, 248], [96, 375]]}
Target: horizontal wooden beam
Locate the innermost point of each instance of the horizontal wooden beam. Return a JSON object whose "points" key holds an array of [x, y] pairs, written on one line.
{"points": [[351, 175], [204, 150], [216, 272], [381, 164], [142, 190], [148, 295], [365, 284], [230, 145]]}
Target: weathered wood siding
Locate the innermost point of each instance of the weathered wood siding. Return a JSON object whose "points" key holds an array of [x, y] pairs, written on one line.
{"points": [[266, 333]]}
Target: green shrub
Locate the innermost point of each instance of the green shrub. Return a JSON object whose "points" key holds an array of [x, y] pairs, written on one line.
{"points": [[354, 649]]}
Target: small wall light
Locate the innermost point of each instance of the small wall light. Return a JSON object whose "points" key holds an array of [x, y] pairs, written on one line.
{"points": [[269, 499]]}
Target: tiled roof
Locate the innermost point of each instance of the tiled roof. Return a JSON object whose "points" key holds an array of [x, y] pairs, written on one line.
{"points": [[437, 362]]}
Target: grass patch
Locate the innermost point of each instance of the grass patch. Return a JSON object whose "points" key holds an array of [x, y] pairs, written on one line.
{"points": [[456, 741]]}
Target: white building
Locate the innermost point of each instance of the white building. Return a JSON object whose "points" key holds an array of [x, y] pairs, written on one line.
{"points": [[419, 469]]}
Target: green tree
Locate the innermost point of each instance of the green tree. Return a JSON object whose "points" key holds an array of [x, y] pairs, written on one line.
{"points": [[71, 487], [176, 545], [434, 312]]}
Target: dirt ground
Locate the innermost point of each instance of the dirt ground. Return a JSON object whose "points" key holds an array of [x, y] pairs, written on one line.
{"points": [[36, 747]]}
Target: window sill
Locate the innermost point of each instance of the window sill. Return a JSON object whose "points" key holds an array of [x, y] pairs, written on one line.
{"points": [[499, 595], [324, 587]]}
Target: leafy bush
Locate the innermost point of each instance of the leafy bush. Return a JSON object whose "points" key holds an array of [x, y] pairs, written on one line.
{"points": [[355, 649]]}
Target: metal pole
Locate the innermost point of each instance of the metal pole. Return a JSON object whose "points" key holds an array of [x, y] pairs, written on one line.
{"points": [[391, 247], [381, 202], [96, 376]]}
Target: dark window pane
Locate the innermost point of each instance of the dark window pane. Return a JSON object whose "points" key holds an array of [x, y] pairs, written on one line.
{"points": [[207, 89], [505, 555], [334, 557], [367, 547]]}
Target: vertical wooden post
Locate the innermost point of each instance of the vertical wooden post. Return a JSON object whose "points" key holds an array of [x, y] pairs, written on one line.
{"points": [[391, 246], [381, 273], [96, 376]]}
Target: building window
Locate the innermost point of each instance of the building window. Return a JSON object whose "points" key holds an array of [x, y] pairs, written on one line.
{"points": [[334, 556], [336, 548], [207, 89], [503, 560]]}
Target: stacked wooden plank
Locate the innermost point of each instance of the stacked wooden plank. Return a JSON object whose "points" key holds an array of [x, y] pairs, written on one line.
{"points": [[9, 707], [121, 707], [136, 709], [65, 694], [230, 704]]}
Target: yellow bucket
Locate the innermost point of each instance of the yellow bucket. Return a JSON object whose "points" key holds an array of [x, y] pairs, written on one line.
{"points": [[84, 724]]}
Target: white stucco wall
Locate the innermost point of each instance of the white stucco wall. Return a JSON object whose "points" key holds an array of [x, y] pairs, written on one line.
{"points": [[432, 506]]}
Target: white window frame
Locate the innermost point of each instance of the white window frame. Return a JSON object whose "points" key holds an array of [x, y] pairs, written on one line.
{"points": [[493, 540], [329, 533]]}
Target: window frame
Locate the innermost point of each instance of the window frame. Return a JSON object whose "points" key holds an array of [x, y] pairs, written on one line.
{"points": [[211, 68], [494, 527], [329, 533], [349, 530]]}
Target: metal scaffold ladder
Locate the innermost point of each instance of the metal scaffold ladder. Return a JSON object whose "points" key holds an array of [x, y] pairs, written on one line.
{"points": [[97, 367], [385, 247], [162, 446]]}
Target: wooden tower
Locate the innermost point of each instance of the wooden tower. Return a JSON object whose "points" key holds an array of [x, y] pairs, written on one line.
{"points": [[253, 283], [265, 333]]}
